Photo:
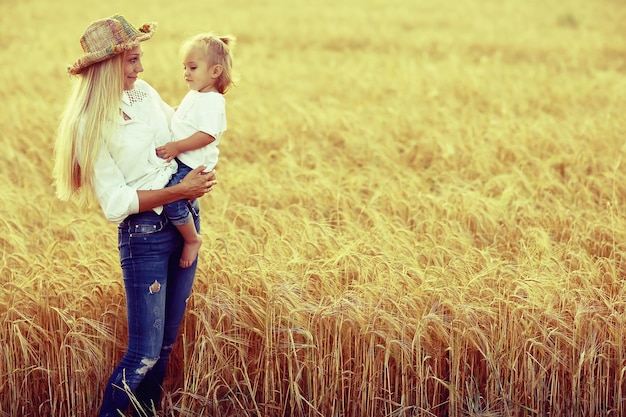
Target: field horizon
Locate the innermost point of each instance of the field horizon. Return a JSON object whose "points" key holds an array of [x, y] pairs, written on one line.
{"points": [[420, 212]]}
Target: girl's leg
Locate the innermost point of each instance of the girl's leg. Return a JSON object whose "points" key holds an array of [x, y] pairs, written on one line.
{"points": [[145, 246], [179, 214], [193, 242]]}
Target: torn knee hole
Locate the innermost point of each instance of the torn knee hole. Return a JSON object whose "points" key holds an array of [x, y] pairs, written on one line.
{"points": [[155, 287], [147, 365]]}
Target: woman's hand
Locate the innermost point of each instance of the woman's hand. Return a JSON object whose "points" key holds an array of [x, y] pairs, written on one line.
{"points": [[197, 183]]}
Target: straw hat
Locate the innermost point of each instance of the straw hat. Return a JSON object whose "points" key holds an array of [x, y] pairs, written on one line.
{"points": [[108, 37]]}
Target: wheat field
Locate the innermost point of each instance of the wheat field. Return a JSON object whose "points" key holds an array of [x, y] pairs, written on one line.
{"points": [[420, 212]]}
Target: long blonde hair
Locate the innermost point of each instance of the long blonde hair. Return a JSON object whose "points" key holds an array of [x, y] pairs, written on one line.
{"points": [[86, 124]]}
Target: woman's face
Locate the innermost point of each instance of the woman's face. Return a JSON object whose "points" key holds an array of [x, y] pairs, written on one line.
{"points": [[132, 66]]}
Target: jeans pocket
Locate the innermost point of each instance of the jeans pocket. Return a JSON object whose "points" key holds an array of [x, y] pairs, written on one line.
{"points": [[142, 224], [145, 237], [141, 229]]}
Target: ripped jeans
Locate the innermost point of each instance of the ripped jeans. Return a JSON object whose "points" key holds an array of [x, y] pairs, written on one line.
{"points": [[156, 295]]}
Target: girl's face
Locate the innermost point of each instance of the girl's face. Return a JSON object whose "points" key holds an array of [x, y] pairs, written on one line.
{"points": [[132, 66], [199, 75]]}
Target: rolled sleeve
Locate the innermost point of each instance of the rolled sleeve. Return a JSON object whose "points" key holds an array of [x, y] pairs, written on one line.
{"points": [[116, 198], [120, 204]]}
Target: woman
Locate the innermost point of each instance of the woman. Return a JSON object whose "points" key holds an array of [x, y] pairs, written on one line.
{"points": [[105, 150]]}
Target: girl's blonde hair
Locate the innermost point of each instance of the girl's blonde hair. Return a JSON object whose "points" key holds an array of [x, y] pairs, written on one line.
{"points": [[86, 124], [219, 51]]}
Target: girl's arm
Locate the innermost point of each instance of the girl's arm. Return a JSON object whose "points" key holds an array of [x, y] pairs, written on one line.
{"points": [[171, 150]]}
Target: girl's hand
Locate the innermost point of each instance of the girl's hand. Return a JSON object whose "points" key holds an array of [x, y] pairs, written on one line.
{"points": [[168, 151], [197, 183]]}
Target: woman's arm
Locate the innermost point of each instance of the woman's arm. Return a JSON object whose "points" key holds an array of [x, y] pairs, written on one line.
{"points": [[194, 185], [118, 200]]}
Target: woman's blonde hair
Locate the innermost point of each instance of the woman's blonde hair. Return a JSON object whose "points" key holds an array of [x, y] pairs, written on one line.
{"points": [[86, 124], [218, 50]]}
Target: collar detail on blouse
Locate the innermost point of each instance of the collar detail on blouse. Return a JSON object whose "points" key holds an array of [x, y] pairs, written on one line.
{"points": [[133, 96]]}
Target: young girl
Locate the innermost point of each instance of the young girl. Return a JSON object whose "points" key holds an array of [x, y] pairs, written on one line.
{"points": [[200, 120]]}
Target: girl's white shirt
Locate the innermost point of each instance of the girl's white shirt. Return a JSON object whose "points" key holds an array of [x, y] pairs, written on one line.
{"points": [[129, 161], [200, 112]]}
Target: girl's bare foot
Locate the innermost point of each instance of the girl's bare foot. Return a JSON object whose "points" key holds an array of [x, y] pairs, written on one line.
{"points": [[190, 252]]}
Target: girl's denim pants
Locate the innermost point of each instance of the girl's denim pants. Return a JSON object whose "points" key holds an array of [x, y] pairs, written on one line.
{"points": [[157, 290], [178, 211]]}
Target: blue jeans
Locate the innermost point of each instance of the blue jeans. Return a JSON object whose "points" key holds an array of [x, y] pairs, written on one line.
{"points": [[157, 290], [178, 212]]}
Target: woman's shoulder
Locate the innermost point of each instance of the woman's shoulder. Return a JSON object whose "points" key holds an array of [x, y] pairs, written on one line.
{"points": [[146, 90], [144, 86]]}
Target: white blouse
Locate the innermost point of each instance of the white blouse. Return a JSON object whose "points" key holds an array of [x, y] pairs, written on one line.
{"points": [[200, 112], [129, 162]]}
